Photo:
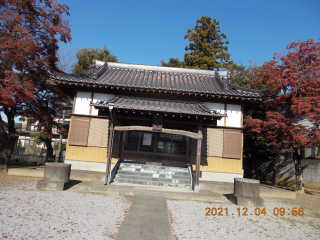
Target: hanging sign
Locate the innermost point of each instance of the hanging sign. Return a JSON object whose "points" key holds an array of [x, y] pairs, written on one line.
{"points": [[147, 138], [160, 145]]}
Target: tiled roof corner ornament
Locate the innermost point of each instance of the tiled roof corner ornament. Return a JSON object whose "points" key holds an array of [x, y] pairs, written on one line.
{"points": [[226, 87], [97, 63], [98, 68]]}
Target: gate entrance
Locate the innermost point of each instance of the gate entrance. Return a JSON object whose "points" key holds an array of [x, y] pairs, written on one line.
{"points": [[155, 147]]}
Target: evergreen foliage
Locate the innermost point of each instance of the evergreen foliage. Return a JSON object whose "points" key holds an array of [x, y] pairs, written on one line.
{"points": [[85, 57], [207, 48], [173, 62], [246, 76]]}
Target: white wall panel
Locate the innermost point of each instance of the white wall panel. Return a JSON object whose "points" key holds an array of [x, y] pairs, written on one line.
{"points": [[87, 166], [234, 115], [83, 103], [218, 107], [100, 96], [219, 177]]}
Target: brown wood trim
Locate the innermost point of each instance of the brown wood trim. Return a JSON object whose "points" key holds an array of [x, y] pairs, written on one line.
{"points": [[158, 154], [74, 101], [109, 155], [198, 160], [90, 109], [229, 128], [225, 112], [164, 130], [88, 116]]}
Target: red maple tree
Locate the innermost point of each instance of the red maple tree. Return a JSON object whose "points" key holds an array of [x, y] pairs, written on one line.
{"points": [[29, 34], [293, 81]]}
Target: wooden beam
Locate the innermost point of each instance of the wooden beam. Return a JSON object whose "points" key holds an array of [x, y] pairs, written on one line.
{"points": [[198, 162], [109, 156], [164, 130]]}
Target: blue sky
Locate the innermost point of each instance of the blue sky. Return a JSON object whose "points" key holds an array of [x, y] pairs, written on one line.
{"points": [[144, 32]]}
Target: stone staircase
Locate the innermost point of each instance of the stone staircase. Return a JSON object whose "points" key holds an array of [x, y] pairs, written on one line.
{"points": [[164, 176]]}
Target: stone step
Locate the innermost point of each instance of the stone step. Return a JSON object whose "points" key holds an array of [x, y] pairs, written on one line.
{"points": [[153, 183], [165, 175], [155, 170], [143, 166], [152, 179]]}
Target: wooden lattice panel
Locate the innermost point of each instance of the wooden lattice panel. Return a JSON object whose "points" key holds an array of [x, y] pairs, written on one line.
{"points": [[232, 144], [98, 133], [79, 131], [215, 142]]}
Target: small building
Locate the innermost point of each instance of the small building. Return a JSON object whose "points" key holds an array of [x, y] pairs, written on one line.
{"points": [[171, 116], [29, 126]]}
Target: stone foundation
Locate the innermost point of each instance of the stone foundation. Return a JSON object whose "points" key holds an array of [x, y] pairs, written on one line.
{"points": [[56, 177], [246, 193]]}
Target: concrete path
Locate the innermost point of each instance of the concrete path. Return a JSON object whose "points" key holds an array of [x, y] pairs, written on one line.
{"points": [[167, 192], [147, 218]]}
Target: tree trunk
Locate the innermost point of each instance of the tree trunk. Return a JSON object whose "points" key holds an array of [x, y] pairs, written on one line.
{"points": [[7, 139], [274, 170], [298, 169], [49, 155]]}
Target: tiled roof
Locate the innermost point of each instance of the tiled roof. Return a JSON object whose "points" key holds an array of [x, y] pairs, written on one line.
{"points": [[158, 105], [159, 79]]}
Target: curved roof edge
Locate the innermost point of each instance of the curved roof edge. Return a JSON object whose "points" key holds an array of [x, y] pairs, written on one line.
{"points": [[98, 63]]}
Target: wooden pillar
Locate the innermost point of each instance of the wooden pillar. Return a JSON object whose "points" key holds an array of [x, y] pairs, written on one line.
{"points": [[198, 159], [110, 146]]}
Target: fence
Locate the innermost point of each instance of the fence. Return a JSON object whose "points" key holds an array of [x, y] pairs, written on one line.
{"points": [[33, 155], [285, 171]]}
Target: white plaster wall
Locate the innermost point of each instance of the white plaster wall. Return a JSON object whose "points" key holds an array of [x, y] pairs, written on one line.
{"points": [[83, 103], [234, 115], [87, 166], [218, 107], [220, 177], [100, 96]]}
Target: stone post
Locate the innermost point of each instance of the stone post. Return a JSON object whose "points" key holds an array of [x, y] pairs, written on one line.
{"points": [[246, 193], [56, 177]]}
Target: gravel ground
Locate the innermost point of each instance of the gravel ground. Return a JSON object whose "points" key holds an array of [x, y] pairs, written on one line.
{"points": [[27, 213], [189, 220]]}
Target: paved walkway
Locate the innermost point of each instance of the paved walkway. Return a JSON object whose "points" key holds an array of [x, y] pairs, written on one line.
{"points": [[147, 218]]}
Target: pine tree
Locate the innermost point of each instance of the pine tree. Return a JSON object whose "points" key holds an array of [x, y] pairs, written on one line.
{"points": [[173, 62], [207, 49]]}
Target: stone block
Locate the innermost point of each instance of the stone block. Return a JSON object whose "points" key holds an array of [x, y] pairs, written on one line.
{"points": [[246, 193], [56, 177], [53, 186], [247, 201], [245, 187]]}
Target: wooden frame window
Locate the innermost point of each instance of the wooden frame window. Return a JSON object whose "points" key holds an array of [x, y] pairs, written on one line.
{"points": [[91, 132], [98, 133], [224, 143], [232, 144]]}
